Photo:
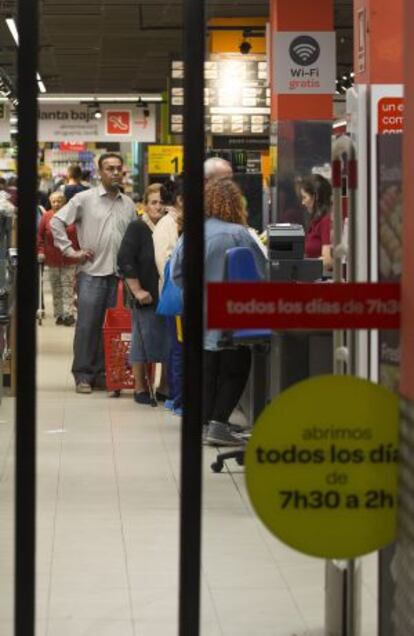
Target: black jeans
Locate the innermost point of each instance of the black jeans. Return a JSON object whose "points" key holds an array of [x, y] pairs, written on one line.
{"points": [[225, 376]]}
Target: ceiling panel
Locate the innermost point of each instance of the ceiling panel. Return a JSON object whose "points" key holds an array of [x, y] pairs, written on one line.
{"points": [[124, 45]]}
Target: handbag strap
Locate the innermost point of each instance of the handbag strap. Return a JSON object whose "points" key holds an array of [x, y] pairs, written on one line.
{"points": [[120, 295]]}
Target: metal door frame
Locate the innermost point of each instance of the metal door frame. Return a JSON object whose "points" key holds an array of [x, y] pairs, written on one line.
{"points": [[25, 419], [191, 444], [191, 448]]}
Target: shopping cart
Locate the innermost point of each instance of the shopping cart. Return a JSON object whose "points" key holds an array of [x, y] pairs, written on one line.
{"points": [[117, 345], [40, 314]]}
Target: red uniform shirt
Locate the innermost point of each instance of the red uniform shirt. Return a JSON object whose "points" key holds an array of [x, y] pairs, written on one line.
{"points": [[319, 233], [45, 245]]}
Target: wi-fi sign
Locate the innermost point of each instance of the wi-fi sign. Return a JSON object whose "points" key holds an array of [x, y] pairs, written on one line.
{"points": [[304, 50]]}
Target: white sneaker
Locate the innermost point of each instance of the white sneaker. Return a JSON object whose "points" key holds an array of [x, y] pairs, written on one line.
{"points": [[84, 388]]}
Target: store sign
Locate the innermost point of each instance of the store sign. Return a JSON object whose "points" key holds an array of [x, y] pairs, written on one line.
{"points": [[390, 115], [304, 63], [118, 122], [322, 467], [4, 123], [236, 95], [76, 123], [303, 306], [65, 146], [165, 159]]}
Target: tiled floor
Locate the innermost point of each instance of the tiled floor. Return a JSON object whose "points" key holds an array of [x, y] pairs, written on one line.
{"points": [[108, 507]]}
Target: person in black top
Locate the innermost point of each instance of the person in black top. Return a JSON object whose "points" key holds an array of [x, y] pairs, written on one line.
{"points": [[74, 184], [136, 262]]}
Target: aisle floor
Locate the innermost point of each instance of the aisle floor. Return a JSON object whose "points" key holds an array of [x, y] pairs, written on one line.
{"points": [[108, 512]]}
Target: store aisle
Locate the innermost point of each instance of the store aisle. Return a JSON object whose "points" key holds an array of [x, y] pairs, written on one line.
{"points": [[108, 513]]}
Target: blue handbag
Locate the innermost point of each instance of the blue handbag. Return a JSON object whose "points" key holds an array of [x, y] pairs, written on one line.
{"points": [[171, 297]]}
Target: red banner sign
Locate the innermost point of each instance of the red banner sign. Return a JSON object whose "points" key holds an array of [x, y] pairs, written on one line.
{"points": [[303, 306], [390, 115], [66, 146]]}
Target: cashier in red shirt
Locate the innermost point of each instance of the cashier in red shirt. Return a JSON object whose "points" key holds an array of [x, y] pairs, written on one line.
{"points": [[61, 269], [316, 195]]}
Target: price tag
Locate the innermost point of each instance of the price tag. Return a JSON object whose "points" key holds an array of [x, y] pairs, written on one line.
{"points": [[321, 467], [165, 159]]}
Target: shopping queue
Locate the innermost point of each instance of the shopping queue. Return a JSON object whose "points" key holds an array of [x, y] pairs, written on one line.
{"points": [[147, 252]]}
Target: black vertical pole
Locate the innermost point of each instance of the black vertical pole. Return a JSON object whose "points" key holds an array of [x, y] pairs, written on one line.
{"points": [[26, 316], [191, 451]]}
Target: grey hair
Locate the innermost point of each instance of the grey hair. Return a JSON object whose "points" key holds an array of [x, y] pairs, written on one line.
{"points": [[214, 165]]}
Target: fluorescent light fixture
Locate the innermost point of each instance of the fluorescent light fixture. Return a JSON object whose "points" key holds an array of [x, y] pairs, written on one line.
{"points": [[13, 29], [110, 99], [11, 23]]}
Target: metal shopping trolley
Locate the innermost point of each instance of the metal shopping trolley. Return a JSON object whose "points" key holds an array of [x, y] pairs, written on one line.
{"points": [[40, 313]]}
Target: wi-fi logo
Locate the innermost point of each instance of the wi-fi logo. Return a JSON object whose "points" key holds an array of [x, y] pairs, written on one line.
{"points": [[304, 50]]}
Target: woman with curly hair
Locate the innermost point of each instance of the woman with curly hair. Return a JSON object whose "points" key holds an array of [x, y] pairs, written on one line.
{"points": [[226, 370]]}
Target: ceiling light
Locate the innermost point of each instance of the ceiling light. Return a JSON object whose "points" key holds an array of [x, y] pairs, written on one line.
{"points": [[40, 83], [97, 113], [11, 23], [13, 29]]}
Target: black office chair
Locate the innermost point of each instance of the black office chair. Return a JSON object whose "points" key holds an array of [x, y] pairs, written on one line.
{"points": [[241, 267]]}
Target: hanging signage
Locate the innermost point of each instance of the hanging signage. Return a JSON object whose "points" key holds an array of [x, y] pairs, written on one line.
{"points": [[165, 159], [4, 123], [303, 306], [304, 63], [321, 467], [236, 95], [77, 123]]}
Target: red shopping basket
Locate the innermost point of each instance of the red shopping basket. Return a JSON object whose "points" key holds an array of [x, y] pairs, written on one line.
{"points": [[117, 345]]}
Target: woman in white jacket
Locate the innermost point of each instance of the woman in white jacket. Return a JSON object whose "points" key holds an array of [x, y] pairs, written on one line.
{"points": [[170, 227]]}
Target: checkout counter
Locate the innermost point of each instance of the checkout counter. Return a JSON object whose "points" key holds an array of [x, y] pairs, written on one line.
{"points": [[293, 355]]}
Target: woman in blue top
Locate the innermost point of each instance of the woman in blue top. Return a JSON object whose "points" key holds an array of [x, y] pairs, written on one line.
{"points": [[226, 370]]}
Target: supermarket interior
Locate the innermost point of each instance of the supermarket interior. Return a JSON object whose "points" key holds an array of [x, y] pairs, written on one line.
{"points": [[206, 310]]}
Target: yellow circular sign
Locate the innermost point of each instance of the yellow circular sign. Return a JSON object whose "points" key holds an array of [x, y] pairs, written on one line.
{"points": [[321, 466]]}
